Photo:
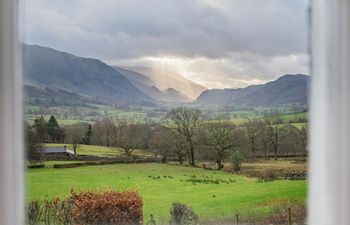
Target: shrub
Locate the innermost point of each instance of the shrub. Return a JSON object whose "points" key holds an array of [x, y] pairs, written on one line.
{"points": [[117, 208], [33, 212], [61, 211], [237, 158], [294, 175], [38, 166], [54, 211], [182, 215], [269, 175], [262, 175]]}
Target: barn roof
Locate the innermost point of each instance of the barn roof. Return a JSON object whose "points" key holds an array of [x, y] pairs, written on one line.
{"points": [[58, 149]]}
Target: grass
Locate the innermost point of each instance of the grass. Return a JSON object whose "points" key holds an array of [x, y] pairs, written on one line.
{"points": [[210, 201], [142, 114], [294, 116], [99, 150], [286, 165], [51, 163], [70, 121], [299, 125], [82, 114]]}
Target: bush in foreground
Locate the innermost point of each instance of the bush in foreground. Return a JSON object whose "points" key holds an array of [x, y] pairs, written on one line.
{"points": [[88, 208], [182, 215], [117, 208]]}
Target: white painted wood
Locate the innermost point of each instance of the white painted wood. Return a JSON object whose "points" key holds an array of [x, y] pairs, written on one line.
{"points": [[329, 186], [11, 122]]}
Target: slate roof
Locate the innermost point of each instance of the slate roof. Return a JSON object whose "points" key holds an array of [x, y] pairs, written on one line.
{"points": [[54, 150]]}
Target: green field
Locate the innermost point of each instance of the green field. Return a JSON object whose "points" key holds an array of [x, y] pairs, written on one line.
{"points": [[61, 121], [296, 119], [294, 116], [234, 194], [71, 115], [299, 125], [100, 150]]}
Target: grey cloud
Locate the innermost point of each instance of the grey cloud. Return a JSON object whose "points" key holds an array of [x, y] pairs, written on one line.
{"points": [[120, 29]]}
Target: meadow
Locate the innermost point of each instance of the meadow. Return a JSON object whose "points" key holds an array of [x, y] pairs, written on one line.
{"points": [[96, 150], [71, 115], [212, 194]]}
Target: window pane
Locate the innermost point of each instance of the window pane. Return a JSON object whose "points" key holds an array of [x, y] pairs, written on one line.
{"points": [[138, 111]]}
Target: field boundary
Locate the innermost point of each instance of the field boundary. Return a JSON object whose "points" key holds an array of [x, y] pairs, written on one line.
{"points": [[96, 163]]}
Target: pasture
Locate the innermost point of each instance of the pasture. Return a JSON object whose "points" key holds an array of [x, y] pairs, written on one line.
{"points": [[212, 194], [280, 164], [100, 150]]}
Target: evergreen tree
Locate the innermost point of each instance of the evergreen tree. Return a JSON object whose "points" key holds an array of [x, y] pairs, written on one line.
{"points": [[88, 134], [53, 129]]}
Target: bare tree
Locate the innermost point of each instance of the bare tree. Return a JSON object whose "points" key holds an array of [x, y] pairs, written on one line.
{"points": [[186, 121], [304, 137], [146, 135], [291, 139], [104, 132], [129, 137], [221, 137], [179, 146], [253, 128], [74, 135], [33, 142], [265, 138], [160, 142], [275, 126]]}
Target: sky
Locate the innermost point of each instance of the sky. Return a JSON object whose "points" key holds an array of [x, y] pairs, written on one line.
{"points": [[216, 43]]}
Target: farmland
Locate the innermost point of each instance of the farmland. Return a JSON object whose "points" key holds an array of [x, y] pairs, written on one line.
{"points": [[95, 150], [162, 184], [259, 189], [71, 115]]}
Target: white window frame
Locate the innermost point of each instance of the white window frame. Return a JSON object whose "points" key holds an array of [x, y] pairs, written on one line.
{"points": [[329, 177], [11, 120], [329, 165]]}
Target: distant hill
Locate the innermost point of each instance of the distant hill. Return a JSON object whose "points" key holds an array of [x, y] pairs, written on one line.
{"points": [[164, 79], [57, 78], [285, 90], [149, 87], [52, 97], [53, 72]]}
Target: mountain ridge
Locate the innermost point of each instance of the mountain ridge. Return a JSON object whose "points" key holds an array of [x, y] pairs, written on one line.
{"points": [[165, 78], [149, 87], [53, 76], [45, 67], [287, 89]]}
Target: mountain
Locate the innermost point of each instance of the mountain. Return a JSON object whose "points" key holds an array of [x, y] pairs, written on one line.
{"points": [[50, 71], [149, 87], [285, 90], [164, 79]]}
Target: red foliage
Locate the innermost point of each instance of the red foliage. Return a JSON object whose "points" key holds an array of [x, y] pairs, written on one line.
{"points": [[117, 208]]}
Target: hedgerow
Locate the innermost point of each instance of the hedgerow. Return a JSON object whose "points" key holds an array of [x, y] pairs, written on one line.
{"points": [[117, 208]]}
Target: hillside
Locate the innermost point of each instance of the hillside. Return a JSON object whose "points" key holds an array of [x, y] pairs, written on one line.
{"points": [[164, 79], [149, 87], [50, 71], [285, 90]]}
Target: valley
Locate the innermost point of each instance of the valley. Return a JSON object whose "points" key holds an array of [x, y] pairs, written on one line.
{"points": [[223, 152], [84, 89]]}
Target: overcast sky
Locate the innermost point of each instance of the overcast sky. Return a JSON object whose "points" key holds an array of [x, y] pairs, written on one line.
{"points": [[217, 43]]}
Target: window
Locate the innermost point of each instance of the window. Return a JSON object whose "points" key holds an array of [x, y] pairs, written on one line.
{"points": [[328, 171]]}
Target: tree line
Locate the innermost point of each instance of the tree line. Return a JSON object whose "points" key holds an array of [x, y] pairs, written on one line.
{"points": [[186, 137]]}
